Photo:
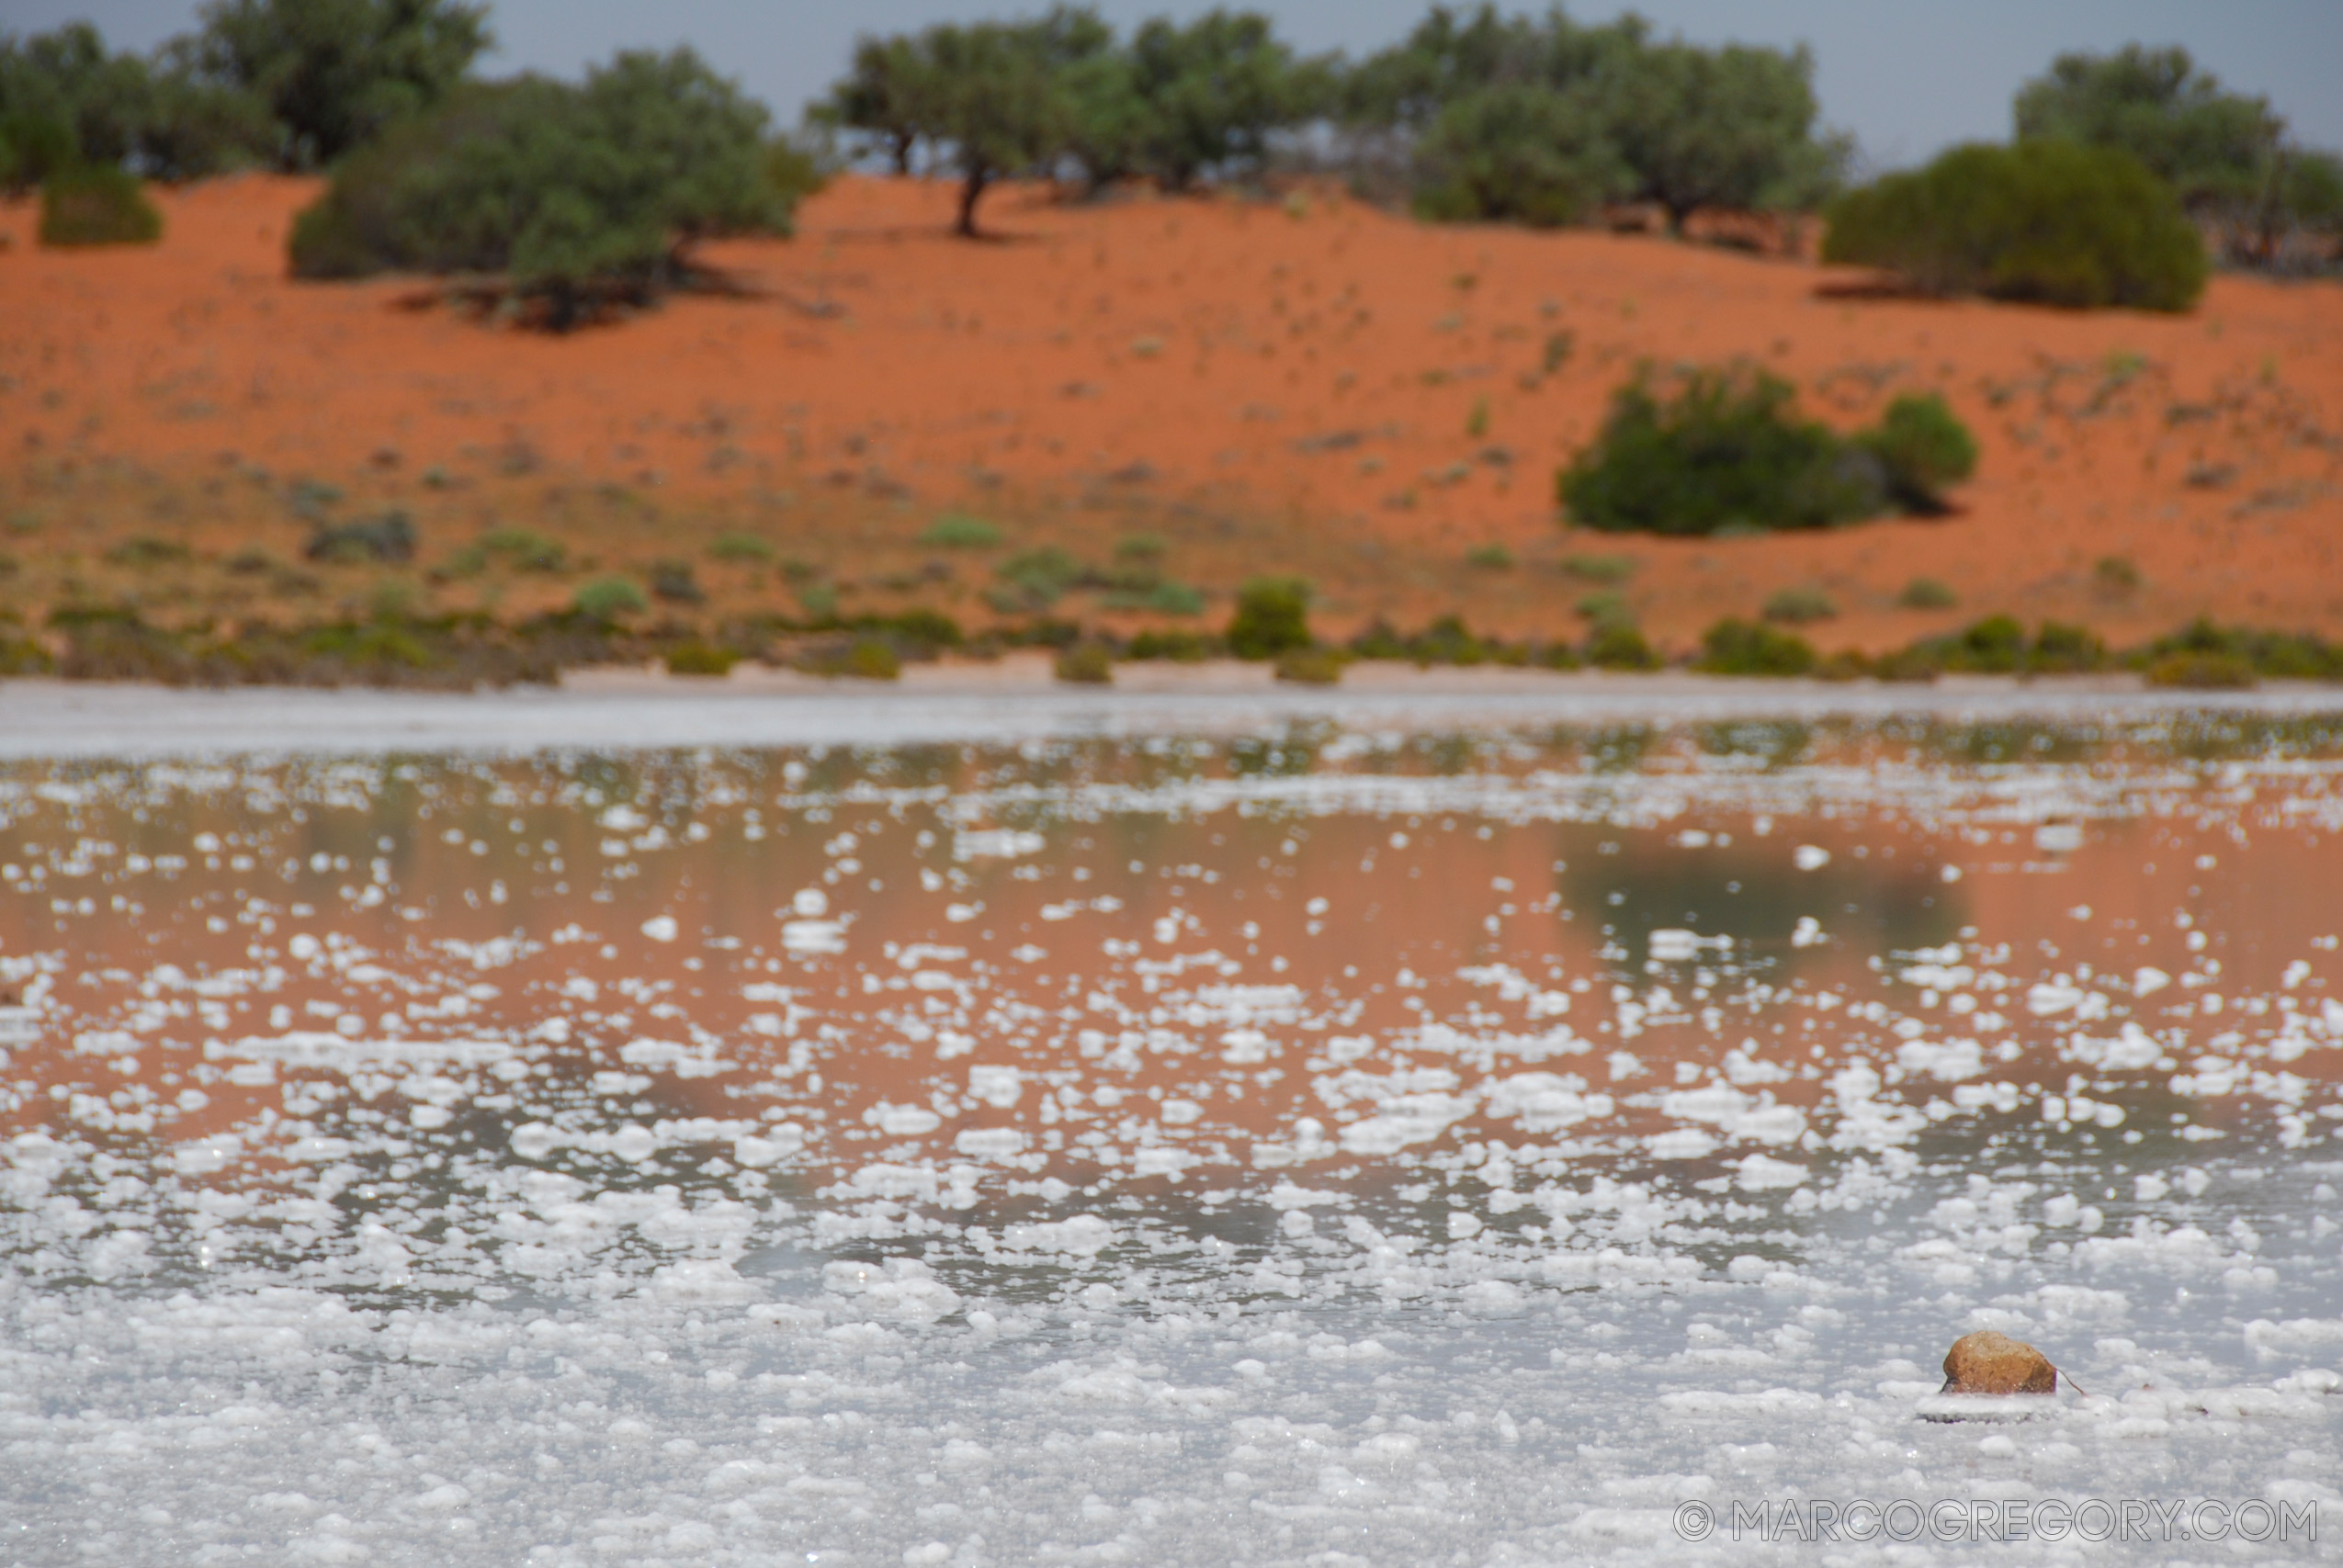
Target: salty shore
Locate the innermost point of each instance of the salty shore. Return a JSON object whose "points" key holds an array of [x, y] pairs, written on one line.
{"points": [[1015, 700]]}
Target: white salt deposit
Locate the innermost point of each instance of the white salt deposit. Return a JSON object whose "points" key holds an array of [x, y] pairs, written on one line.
{"points": [[1448, 1148]]}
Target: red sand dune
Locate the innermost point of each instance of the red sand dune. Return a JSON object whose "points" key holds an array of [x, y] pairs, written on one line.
{"points": [[1318, 386]]}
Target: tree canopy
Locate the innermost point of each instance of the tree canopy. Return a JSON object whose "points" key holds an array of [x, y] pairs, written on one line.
{"points": [[1509, 117], [991, 99], [287, 84], [335, 72], [579, 197], [2227, 154]]}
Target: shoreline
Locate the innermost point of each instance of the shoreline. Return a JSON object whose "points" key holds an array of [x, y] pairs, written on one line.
{"points": [[637, 710]]}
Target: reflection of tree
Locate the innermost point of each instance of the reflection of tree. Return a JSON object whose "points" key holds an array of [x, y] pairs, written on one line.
{"points": [[1751, 892], [2019, 740], [1779, 743], [1619, 749]]}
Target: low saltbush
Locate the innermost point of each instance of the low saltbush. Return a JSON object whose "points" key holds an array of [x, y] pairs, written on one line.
{"points": [[1312, 666], [1174, 647], [1272, 618], [957, 531], [1798, 606], [1086, 664], [97, 204], [1621, 645], [1749, 647], [746, 548], [607, 598], [390, 539], [700, 658]]}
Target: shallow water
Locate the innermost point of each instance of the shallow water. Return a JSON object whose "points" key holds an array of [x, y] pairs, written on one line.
{"points": [[1325, 1146]]}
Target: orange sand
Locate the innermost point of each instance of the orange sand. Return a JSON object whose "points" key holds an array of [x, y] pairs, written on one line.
{"points": [[1317, 386]]}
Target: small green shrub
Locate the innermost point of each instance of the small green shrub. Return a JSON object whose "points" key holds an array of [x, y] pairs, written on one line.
{"points": [[2048, 220], [1603, 607], [1799, 607], [741, 547], [1746, 647], [1915, 665], [97, 204], [146, 551], [1086, 664], [1600, 568], [1035, 580], [1272, 618], [957, 531], [1312, 666], [818, 600], [1925, 450], [1995, 646], [2062, 649], [1844, 665], [873, 659], [921, 633], [1141, 548], [1620, 645], [1558, 351], [1927, 593], [1491, 557], [1556, 656], [22, 656], [1998, 646], [524, 549], [390, 539], [2116, 575], [672, 581], [607, 598], [700, 658], [1175, 646], [2282, 655], [2203, 671], [1725, 450], [1166, 599]]}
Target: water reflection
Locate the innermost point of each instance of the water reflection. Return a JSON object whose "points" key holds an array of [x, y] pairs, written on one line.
{"points": [[1812, 1029]]}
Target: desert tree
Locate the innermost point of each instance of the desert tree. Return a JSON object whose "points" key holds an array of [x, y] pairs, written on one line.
{"points": [[334, 74]]}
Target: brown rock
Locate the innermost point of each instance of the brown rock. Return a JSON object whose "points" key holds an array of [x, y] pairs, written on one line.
{"points": [[1995, 1363]]}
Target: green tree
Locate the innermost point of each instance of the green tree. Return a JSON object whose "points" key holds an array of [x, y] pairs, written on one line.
{"points": [[2213, 146], [1519, 152], [576, 195], [2227, 154], [1732, 127], [1692, 127], [335, 72], [66, 101], [1213, 92], [996, 102], [886, 94], [2051, 222]]}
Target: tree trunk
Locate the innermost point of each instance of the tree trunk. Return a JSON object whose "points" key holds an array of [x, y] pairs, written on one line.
{"points": [[971, 189], [903, 145]]}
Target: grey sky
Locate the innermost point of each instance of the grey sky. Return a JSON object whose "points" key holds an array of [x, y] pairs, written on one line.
{"points": [[1906, 77]]}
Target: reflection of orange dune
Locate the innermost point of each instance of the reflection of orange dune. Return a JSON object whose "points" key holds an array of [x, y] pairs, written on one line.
{"points": [[1143, 991]]}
